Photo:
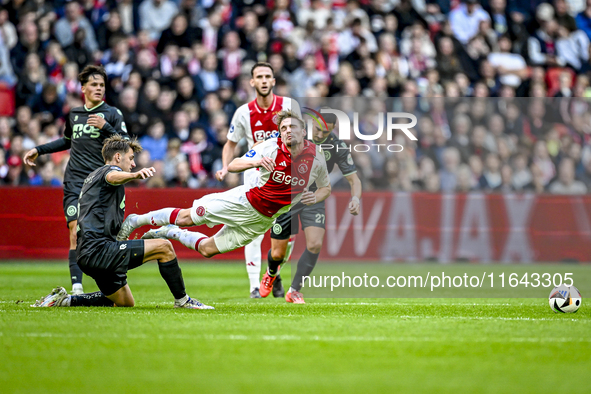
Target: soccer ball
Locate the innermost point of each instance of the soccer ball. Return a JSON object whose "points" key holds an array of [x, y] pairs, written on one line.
{"points": [[565, 299]]}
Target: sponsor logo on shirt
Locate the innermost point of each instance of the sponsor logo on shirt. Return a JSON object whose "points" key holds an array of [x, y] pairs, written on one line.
{"points": [[282, 177]]}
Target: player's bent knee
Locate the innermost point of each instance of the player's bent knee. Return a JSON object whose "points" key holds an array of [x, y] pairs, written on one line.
{"points": [[208, 248], [278, 249], [167, 250], [314, 246], [277, 254], [184, 218]]}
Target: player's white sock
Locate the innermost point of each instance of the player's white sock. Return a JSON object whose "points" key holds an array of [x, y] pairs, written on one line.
{"points": [[252, 254], [181, 301], [160, 217], [187, 238]]}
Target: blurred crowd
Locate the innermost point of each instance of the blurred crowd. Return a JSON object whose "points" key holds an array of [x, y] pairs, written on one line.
{"points": [[178, 69]]}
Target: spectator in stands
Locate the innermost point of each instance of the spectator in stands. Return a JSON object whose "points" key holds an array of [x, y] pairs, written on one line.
{"points": [[16, 175], [464, 179], [27, 44], [583, 20], [47, 106], [7, 75], [231, 55], [208, 79], [305, 77], [7, 30], [112, 28], [448, 174], [156, 16], [156, 141], [174, 156], [179, 33], [73, 21], [46, 176], [77, 51], [183, 177], [135, 121], [572, 47], [511, 67], [566, 182], [541, 45], [465, 20]]}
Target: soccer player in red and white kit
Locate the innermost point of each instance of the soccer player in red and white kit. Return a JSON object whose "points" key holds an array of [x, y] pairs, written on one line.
{"points": [[288, 166], [256, 121]]}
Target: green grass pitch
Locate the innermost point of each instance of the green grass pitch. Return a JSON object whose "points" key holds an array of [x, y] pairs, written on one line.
{"points": [[257, 346]]}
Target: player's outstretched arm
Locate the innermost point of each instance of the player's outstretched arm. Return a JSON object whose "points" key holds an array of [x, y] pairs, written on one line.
{"points": [[54, 146], [311, 198], [121, 177], [227, 156], [242, 164], [355, 183]]}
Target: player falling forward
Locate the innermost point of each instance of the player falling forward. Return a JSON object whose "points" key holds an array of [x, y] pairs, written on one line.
{"points": [[288, 166], [311, 217], [87, 127], [100, 256], [256, 122]]}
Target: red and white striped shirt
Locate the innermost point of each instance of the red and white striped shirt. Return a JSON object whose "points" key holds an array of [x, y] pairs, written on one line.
{"points": [[254, 123], [279, 189]]}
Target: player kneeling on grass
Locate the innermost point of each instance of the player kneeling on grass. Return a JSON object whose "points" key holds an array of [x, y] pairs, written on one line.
{"points": [[101, 211], [288, 166]]}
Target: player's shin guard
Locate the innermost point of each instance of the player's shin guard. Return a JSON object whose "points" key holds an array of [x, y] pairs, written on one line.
{"points": [[75, 271], [90, 299], [273, 264], [252, 254], [160, 217], [172, 275], [306, 265]]}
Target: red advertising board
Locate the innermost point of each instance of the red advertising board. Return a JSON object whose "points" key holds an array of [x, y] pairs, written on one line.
{"points": [[391, 227]]}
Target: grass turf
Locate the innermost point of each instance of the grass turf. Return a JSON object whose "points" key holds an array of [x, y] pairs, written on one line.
{"points": [[327, 345]]}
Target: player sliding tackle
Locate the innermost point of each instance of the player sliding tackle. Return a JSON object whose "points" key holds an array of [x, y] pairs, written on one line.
{"points": [[101, 209], [288, 166]]}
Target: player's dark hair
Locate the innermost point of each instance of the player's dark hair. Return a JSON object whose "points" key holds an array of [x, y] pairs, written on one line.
{"points": [[261, 64], [119, 144], [330, 118], [91, 70]]}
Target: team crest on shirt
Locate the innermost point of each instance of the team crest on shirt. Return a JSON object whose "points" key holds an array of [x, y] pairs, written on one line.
{"points": [[200, 211], [303, 168], [275, 118], [100, 114]]}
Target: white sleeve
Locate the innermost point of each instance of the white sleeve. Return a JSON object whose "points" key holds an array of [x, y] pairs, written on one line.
{"points": [[237, 129], [264, 149], [320, 173]]}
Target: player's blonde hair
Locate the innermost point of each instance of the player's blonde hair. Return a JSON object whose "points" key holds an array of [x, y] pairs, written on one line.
{"points": [[117, 143], [286, 114]]}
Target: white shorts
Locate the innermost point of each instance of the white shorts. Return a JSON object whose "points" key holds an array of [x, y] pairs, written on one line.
{"points": [[242, 223]]}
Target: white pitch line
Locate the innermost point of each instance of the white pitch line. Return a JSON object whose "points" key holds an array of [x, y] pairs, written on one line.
{"points": [[314, 338]]}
